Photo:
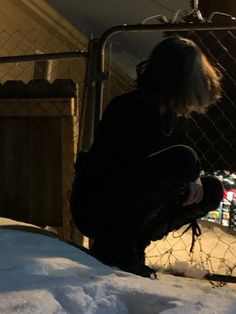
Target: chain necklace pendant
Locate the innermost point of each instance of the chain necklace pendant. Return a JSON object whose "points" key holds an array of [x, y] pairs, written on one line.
{"points": [[168, 122]]}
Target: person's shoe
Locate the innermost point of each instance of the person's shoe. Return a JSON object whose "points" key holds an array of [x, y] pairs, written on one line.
{"points": [[126, 260], [100, 253]]}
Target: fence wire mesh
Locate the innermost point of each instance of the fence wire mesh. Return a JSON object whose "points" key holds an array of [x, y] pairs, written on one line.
{"points": [[213, 135], [40, 41], [214, 252]]}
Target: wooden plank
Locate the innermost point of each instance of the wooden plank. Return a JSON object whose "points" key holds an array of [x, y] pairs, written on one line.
{"points": [[45, 175], [37, 157], [14, 168], [38, 107]]}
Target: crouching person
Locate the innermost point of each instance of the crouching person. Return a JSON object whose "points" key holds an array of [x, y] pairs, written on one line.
{"points": [[138, 181]]}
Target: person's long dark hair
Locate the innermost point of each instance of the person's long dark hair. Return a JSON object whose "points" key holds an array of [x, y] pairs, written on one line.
{"points": [[178, 75]]}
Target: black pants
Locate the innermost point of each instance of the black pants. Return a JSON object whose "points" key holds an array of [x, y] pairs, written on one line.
{"points": [[127, 212]]}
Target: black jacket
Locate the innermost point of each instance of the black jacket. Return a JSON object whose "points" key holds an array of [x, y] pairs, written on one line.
{"points": [[108, 175], [130, 130]]}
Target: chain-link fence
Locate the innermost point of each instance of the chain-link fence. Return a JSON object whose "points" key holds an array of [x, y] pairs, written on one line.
{"points": [[31, 42], [213, 136]]}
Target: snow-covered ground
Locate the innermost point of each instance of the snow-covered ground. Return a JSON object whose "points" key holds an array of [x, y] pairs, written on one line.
{"points": [[41, 274]]}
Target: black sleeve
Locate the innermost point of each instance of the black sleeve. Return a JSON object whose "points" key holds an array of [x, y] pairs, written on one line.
{"points": [[115, 141]]}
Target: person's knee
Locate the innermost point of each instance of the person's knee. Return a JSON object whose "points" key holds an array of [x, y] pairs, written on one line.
{"points": [[186, 160], [177, 156], [185, 154], [213, 191]]}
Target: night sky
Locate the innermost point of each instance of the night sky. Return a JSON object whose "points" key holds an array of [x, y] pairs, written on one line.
{"points": [[94, 17]]}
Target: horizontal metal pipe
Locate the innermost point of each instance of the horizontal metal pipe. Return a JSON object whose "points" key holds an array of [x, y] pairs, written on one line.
{"points": [[43, 56], [165, 27]]}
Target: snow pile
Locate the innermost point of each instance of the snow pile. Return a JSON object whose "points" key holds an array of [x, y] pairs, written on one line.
{"points": [[41, 274]]}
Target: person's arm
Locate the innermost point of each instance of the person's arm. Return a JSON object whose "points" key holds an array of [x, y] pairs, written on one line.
{"points": [[116, 142]]}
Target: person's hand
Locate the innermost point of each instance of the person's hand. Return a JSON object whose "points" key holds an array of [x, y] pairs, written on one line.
{"points": [[195, 193]]}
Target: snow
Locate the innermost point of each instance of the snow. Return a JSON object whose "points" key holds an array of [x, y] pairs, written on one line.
{"points": [[42, 274]]}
